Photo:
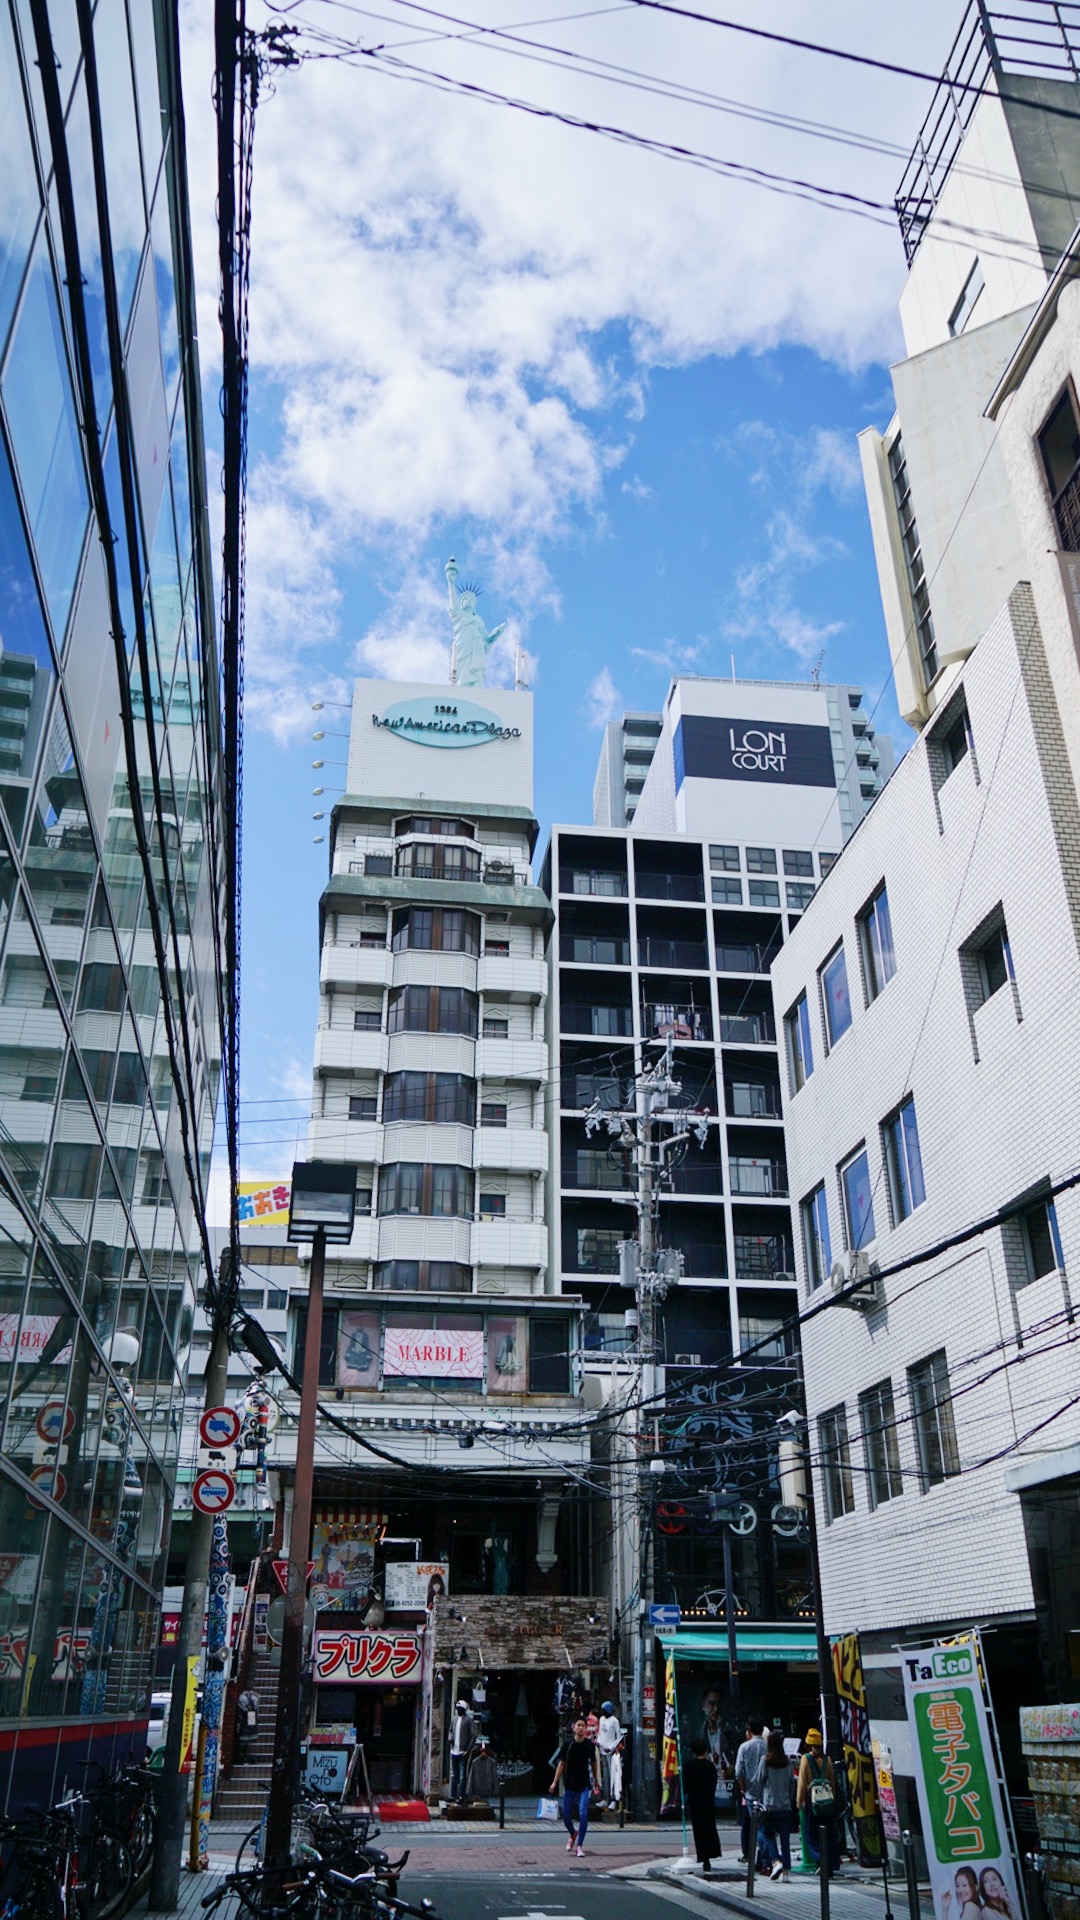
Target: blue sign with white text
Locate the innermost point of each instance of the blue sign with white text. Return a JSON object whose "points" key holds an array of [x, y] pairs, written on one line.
{"points": [[444, 723]]}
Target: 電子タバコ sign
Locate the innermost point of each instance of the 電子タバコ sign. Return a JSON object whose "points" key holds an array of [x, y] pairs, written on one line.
{"points": [[965, 1827]]}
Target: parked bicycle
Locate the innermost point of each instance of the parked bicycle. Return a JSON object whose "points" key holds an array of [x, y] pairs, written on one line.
{"points": [[310, 1888], [74, 1861]]}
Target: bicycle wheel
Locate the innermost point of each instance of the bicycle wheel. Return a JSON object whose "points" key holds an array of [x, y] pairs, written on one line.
{"points": [[109, 1875], [141, 1837], [284, 1892], [249, 1856], [35, 1892]]}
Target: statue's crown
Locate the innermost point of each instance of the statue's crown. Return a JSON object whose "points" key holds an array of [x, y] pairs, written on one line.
{"points": [[470, 586]]}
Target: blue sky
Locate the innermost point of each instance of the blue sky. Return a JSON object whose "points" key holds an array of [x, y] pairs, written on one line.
{"points": [[625, 393]]}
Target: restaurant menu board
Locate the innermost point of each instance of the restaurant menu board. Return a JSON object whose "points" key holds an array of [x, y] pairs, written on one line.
{"points": [[1050, 1737]]}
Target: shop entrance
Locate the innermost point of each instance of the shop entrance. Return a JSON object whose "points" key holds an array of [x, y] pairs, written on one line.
{"points": [[383, 1721]]}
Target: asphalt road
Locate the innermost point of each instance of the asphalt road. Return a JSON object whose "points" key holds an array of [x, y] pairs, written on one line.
{"points": [[565, 1894]]}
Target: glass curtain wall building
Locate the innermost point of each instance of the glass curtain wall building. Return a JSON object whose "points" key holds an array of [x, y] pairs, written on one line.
{"points": [[110, 902]]}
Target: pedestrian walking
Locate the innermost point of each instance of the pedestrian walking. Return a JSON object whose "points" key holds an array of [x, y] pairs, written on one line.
{"points": [[817, 1801], [699, 1797], [579, 1772], [778, 1799], [608, 1741], [462, 1735], [750, 1775]]}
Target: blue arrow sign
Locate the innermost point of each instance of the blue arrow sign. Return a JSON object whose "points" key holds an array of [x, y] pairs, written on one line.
{"points": [[666, 1615]]}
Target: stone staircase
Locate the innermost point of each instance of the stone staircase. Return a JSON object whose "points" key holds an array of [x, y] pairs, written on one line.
{"points": [[241, 1796]]}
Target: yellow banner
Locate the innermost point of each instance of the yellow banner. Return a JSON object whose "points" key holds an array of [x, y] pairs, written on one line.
{"points": [[262, 1203], [188, 1727], [669, 1757]]}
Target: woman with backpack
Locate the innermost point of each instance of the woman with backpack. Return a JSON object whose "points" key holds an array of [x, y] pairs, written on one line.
{"points": [[818, 1803]]}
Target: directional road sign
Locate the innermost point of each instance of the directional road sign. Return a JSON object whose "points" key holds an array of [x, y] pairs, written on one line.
{"points": [[219, 1427], [214, 1491], [665, 1615]]}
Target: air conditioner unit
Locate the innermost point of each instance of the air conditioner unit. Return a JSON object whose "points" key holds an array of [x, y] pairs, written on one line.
{"points": [[688, 1359], [843, 1280]]}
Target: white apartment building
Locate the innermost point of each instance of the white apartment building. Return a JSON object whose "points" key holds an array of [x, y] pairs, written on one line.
{"points": [[930, 994]]}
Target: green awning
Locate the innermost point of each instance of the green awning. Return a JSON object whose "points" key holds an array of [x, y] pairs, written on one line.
{"points": [[787, 1645]]}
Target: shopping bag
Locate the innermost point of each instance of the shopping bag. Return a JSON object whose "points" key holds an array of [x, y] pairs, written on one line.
{"points": [[547, 1809]]}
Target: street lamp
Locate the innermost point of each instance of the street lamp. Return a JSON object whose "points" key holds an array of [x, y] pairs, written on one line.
{"points": [[322, 1209]]}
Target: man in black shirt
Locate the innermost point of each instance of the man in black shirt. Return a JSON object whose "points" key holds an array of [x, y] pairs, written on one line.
{"points": [[579, 1771]]}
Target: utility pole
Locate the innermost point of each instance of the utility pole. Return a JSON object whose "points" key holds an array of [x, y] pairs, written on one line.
{"points": [[287, 1734], [642, 1134], [172, 1791]]}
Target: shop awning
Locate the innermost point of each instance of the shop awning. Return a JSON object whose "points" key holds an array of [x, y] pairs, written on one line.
{"points": [[787, 1645]]}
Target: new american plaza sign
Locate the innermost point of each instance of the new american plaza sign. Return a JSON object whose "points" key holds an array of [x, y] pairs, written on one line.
{"points": [[444, 723]]}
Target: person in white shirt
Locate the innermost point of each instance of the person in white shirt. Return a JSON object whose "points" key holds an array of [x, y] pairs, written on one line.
{"points": [[609, 1739]]}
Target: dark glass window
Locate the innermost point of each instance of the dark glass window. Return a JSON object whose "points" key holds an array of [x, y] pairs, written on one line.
{"points": [[877, 1417], [429, 1096], [834, 1452], [433, 1010], [903, 1161], [760, 860], [931, 1407], [1041, 1239], [328, 1345], [835, 998], [436, 929], [423, 1276], [876, 943], [800, 1046], [799, 866], [1059, 445], [434, 860], [549, 1355], [366, 1020], [816, 1241], [448, 827], [363, 1106], [407, 1186], [493, 1113]]}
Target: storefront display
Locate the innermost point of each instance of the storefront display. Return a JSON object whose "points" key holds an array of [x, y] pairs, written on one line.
{"points": [[1050, 1737]]}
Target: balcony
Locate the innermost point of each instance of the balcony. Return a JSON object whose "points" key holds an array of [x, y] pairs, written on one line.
{"points": [[753, 1100], [595, 951], [355, 964], [515, 976], [759, 1179], [696, 1175], [509, 1243], [350, 1052], [762, 1257], [670, 886], [704, 1259], [583, 1090], [663, 1018], [512, 1060], [596, 1171], [741, 959], [518, 1149], [747, 1029], [656, 951], [594, 881], [600, 1022]]}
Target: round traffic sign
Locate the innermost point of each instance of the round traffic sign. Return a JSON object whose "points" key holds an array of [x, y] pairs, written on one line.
{"points": [[50, 1480], [55, 1421], [219, 1427], [214, 1491]]}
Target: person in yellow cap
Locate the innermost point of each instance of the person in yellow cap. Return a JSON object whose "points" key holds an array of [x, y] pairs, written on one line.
{"points": [[818, 1802]]}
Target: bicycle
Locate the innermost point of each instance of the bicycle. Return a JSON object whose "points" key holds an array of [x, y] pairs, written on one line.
{"points": [[45, 1867], [124, 1805], [311, 1889]]}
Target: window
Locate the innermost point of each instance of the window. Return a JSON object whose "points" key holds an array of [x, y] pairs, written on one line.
{"points": [[129, 1086], [422, 823], [913, 560], [835, 998], [408, 1186], [378, 866], [363, 1106], [799, 895], [73, 1174], [492, 1206], [876, 943], [433, 1010], [102, 989], [154, 1186], [931, 1408], [496, 1027], [956, 740], [1059, 445], [422, 1276], [39, 1086], [826, 862], [1041, 1240], [549, 1355], [800, 1051], [903, 1161], [760, 860], [727, 893], [493, 1113], [816, 1243], [496, 949], [969, 294], [431, 860], [834, 1453], [429, 1096], [988, 962], [877, 1417], [366, 1020], [436, 930], [858, 1201], [724, 859], [597, 1249], [800, 866], [763, 893]]}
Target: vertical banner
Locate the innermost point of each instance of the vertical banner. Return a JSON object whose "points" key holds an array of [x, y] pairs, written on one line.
{"points": [[965, 1828], [217, 1634], [187, 1731], [858, 1754], [669, 1754]]}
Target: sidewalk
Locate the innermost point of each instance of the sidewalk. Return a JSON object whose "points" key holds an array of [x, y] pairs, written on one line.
{"points": [[853, 1892]]}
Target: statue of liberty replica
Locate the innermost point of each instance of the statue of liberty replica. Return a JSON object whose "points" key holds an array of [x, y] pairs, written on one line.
{"points": [[468, 657]]}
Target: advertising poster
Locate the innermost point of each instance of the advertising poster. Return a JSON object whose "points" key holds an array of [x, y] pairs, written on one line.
{"points": [[412, 1585], [965, 1830], [344, 1566], [886, 1792], [669, 1753], [386, 1659], [419, 1353], [358, 1350], [262, 1203], [858, 1754], [506, 1371]]}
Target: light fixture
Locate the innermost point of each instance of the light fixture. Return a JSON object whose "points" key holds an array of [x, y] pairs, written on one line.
{"points": [[318, 839], [123, 1349], [318, 816], [323, 1196], [318, 763], [315, 792], [656, 1465], [318, 736], [316, 706]]}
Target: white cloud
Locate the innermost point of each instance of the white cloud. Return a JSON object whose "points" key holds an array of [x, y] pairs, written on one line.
{"points": [[603, 701], [436, 285]]}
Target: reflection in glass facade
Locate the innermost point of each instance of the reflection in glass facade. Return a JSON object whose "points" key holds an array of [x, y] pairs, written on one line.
{"points": [[99, 1205]]}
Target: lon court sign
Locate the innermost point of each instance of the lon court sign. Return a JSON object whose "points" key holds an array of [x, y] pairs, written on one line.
{"points": [[367, 1659]]}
